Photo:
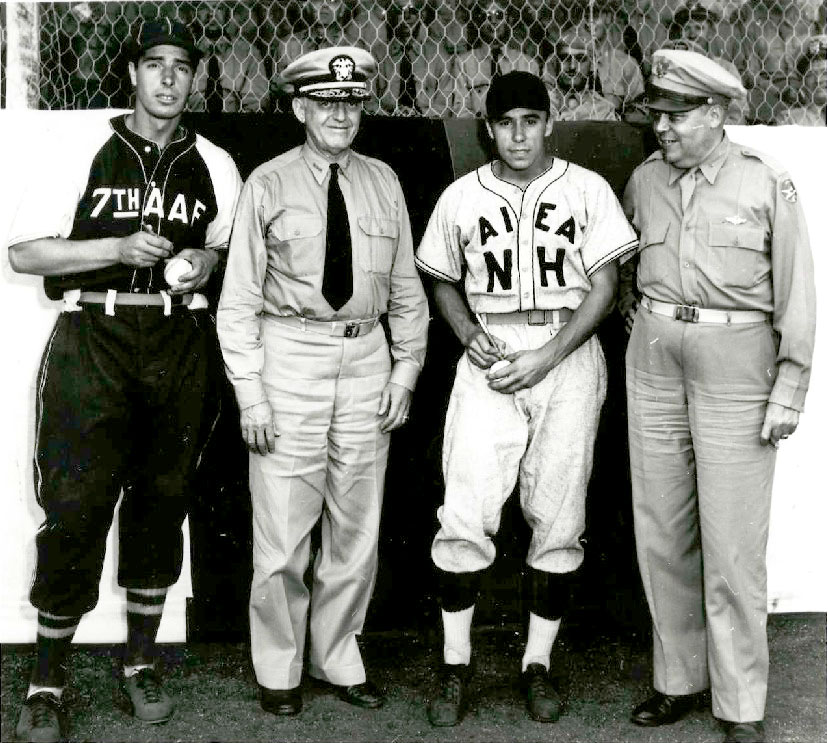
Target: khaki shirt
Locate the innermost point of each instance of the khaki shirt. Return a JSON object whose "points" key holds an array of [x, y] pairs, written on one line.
{"points": [[730, 235], [277, 258]]}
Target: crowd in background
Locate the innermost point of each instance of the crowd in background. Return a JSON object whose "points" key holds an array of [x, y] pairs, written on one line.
{"points": [[437, 57]]}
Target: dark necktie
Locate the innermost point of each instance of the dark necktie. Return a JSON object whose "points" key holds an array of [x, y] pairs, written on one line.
{"points": [[213, 97], [338, 280], [497, 50], [408, 92]]}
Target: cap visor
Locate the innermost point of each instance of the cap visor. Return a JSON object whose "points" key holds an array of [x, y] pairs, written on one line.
{"points": [[667, 105]]}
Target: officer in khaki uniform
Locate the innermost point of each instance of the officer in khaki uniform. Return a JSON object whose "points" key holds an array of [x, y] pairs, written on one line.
{"points": [[321, 247], [718, 366]]}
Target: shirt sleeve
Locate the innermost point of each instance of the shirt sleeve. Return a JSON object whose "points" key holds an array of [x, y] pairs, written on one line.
{"points": [[242, 300], [227, 185], [439, 253], [407, 305], [794, 296], [608, 234]]}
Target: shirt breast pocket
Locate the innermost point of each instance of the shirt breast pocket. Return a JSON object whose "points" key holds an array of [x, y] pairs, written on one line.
{"points": [[652, 261], [737, 253], [296, 244], [380, 236]]}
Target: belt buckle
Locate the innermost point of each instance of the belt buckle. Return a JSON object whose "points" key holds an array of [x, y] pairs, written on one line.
{"points": [[351, 329], [537, 317], [687, 313]]}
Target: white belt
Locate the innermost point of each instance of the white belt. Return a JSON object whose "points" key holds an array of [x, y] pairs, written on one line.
{"points": [[340, 328], [74, 298], [688, 313]]}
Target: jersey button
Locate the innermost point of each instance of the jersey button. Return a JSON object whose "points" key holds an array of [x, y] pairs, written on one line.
{"points": [[148, 149]]}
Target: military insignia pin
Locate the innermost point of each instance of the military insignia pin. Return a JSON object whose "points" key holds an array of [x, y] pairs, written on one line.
{"points": [[788, 191]]}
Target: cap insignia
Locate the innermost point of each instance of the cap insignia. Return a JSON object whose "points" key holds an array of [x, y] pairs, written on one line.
{"points": [[661, 67], [342, 68]]}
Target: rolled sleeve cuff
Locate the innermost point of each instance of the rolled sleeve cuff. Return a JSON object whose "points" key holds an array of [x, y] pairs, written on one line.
{"points": [[405, 374], [249, 392], [788, 393]]}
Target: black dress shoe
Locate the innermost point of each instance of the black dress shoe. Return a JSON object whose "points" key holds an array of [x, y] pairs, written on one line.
{"points": [[542, 699], [663, 709], [744, 732], [365, 695], [281, 701], [448, 704]]}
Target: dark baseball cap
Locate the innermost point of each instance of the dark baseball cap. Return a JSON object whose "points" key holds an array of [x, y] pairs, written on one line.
{"points": [[160, 31], [516, 90]]}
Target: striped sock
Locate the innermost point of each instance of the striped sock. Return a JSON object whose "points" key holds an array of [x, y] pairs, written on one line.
{"points": [[54, 638], [144, 609]]}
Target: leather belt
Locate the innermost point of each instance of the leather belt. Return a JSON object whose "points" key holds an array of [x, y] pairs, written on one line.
{"points": [[339, 328], [689, 313], [529, 317]]}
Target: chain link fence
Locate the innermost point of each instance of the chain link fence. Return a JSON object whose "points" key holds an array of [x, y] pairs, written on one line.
{"points": [[436, 57]]}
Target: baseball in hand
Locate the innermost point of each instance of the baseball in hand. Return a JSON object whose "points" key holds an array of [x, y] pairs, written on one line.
{"points": [[175, 269], [498, 365]]}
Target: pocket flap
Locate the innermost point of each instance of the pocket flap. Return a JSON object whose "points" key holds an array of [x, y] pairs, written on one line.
{"points": [[379, 226], [293, 227], [655, 234], [737, 236]]}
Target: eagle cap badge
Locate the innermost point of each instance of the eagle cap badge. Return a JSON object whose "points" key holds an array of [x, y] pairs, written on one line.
{"points": [[342, 68]]}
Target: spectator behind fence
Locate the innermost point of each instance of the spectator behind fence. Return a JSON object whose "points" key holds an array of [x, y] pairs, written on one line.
{"points": [[232, 76], [494, 54], [573, 87], [406, 83], [693, 29], [619, 75], [811, 67], [539, 28], [449, 26], [773, 35], [645, 32]]}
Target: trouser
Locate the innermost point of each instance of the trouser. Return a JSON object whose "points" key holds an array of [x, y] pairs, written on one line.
{"points": [[329, 461], [542, 436], [701, 483], [122, 402]]}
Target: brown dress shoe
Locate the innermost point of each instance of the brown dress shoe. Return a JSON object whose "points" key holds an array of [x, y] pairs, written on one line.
{"points": [[744, 732], [365, 695], [281, 702], [663, 709]]}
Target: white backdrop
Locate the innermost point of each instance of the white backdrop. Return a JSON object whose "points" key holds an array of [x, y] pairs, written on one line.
{"points": [[797, 550]]}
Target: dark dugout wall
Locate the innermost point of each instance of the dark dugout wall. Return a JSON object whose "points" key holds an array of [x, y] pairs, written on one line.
{"points": [[427, 155]]}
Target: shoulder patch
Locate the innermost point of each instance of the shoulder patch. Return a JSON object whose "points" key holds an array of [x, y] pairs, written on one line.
{"points": [[788, 190]]}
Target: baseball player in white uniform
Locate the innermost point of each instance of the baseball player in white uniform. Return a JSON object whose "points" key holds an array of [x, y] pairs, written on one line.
{"points": [[535, 241]]}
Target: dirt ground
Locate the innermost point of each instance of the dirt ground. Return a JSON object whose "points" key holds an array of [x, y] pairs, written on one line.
{"points": [[600, 678]]}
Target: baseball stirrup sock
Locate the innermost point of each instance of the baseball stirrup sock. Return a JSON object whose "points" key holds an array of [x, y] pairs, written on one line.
{"points": [[54, 638], [457, 636], [144, 609], [542, 634]]}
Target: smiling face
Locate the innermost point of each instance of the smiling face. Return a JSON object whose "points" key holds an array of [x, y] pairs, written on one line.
{"points": [[162, 77], [519, 140], [686, 138], [330, 126]]}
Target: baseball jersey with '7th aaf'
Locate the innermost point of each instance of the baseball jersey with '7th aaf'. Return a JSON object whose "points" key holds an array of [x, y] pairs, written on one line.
{"points": [[531, 249]]}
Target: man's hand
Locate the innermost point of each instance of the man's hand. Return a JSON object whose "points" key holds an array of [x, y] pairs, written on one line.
{"points": [[526, 369], [628, 311], [258, 428], [394, 404], [203, 261], [482, 353], [143, 249], [780, 422]]}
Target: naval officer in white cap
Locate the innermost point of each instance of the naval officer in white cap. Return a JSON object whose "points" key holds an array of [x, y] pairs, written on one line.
{"points": [[321, 248], [718, 365]]}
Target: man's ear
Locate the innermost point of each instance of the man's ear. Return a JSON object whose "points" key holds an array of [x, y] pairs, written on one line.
{"points": [[298, 105], [716, 115], [132, 74]]}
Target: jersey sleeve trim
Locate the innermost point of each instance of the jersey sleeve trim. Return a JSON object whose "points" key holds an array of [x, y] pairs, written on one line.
{"points": [[434, 272], [617, 253]]}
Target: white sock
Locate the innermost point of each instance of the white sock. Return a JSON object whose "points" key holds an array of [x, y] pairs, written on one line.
{"points": [[457, 636], [35, 689], [542, 634]]}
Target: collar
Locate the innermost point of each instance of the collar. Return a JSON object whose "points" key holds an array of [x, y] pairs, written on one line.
{"points": [[118, 124], [709, 167], [320, 166]]}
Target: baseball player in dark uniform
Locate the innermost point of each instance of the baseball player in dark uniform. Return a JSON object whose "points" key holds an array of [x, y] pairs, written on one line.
{"points": [[121, 385], [535, 240]]}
